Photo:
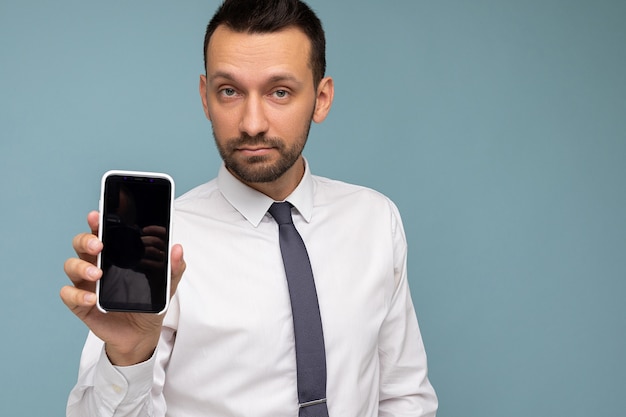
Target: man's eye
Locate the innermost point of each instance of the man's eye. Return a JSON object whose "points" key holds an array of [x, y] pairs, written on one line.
{"points": [[228, 92], [281, 93]]}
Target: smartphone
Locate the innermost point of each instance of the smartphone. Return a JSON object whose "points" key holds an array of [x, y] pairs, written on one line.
{"points": [[136, 210]]}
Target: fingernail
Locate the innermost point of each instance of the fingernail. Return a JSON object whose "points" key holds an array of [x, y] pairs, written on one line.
{"points": [[90, 298], [94, 245], [93, 272]]}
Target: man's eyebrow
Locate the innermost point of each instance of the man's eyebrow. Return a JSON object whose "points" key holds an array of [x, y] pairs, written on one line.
{"points": [[284, 77], [221, 74]]}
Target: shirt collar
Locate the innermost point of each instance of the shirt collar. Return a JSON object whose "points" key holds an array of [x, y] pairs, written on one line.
{"points": [[253, 205]]}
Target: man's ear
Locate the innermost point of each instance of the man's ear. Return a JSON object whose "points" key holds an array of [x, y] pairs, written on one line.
{"points": [[324, 99], [203, 96]]}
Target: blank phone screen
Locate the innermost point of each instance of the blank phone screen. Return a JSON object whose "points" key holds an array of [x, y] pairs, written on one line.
{"points": [[136, 213]]}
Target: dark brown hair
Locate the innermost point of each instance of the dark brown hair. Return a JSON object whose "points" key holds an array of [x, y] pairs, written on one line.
{"points": [[268, 16]]}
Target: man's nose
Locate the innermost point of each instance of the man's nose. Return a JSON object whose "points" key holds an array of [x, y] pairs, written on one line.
{"points": [[254, 119]]}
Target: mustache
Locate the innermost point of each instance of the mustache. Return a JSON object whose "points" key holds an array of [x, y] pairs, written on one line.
{"points": [[247, 140]]}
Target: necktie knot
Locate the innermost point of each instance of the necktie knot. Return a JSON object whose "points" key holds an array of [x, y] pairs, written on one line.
{"points": [[281, 212]]}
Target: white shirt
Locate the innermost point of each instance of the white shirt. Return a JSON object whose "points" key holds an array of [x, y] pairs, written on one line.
{"points": [[227, 345]]}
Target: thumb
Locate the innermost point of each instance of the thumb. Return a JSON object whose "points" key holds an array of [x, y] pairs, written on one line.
{"points": [[178, 266]]}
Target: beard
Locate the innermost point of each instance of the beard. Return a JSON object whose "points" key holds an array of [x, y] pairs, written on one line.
{"points": [[258, 169]]}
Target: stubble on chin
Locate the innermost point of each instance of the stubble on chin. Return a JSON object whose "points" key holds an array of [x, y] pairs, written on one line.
{"points": [[261, 168]]}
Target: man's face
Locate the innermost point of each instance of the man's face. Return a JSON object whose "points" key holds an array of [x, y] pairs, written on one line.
{"points": [[260, 98]]}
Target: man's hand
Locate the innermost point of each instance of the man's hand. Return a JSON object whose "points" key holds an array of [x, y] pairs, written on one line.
{"points": [[130, 338]]}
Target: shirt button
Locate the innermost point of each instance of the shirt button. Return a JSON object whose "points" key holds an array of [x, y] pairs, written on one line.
{"points": [[116, 388]]}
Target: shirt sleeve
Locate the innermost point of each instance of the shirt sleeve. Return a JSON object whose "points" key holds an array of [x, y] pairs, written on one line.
{"points": [[105, 390], [404, 386]]}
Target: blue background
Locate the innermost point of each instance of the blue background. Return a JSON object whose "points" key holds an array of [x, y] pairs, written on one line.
{"points": [[498, 127]]}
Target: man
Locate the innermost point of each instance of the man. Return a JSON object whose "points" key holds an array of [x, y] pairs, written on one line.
{"points": [[226, 345]]}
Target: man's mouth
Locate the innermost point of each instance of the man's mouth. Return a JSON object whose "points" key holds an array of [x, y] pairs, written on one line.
{"points": [[254, 150]]}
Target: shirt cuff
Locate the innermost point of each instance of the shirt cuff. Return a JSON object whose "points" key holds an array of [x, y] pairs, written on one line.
{"points": [[123, 384]]}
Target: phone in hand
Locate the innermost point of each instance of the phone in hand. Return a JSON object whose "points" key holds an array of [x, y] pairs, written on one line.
{"points": [[136, 210]]}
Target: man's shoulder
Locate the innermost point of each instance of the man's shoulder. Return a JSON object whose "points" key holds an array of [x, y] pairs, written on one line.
{"points": [[358, 203], [200, 192], [332, 189]]}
